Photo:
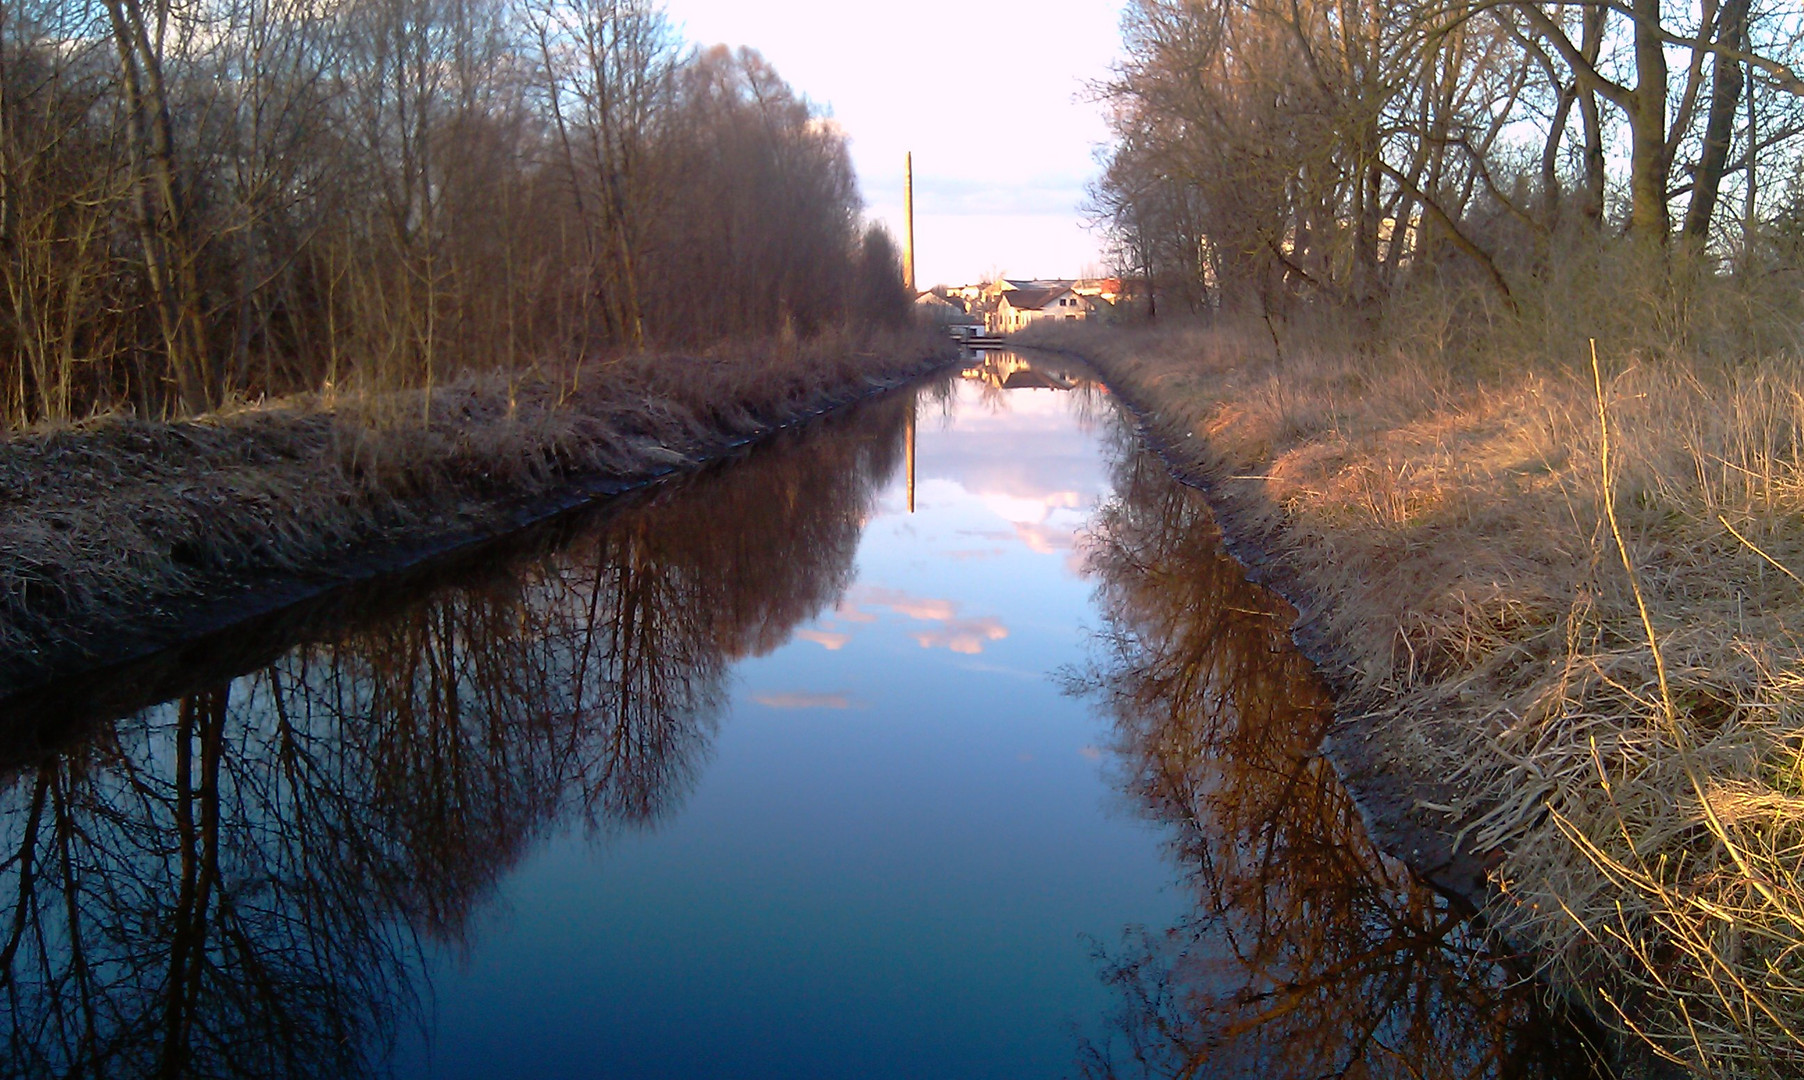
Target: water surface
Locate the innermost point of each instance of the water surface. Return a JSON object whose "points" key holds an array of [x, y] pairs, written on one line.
{"points": [[937, 740]]}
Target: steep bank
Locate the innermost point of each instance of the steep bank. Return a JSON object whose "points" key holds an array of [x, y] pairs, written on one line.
{"points": [[1254, 529], [1442, 528], [119, 536]]}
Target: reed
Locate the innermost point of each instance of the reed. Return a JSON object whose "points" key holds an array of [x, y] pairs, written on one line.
{"points": [[1561, 602]]}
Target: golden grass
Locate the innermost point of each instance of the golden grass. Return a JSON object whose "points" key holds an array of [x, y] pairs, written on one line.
{"points": [[1446, 520], [114, 525]]}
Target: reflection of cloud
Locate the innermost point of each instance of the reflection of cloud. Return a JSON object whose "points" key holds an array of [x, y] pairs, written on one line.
{"points": [[960, 635], [965, 554], [927, 610], [1034, 530], [800, 700], [975, 665], [849, 612], [1015, 509], [826, 640], [1091, 752], [963, 635], [915, 607], [1045, 539]]}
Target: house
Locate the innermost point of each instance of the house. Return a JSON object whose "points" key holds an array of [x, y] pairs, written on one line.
{"points": [[1106, 289], [993, 291], [1020, 307]]}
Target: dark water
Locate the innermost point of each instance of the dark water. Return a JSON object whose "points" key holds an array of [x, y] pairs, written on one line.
{"points": [[764, 776]]}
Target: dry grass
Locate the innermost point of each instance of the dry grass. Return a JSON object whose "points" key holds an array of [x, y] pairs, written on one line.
{"points": [[1443, 515], [112, 527]]}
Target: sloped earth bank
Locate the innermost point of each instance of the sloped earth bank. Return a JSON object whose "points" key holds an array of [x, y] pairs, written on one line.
{"points": [[1445, 540], [1391, 804], [1401, 808], [119, 537]]}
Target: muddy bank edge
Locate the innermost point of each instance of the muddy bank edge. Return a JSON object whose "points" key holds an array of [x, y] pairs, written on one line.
{"points": [[425, 525], [1252, 528]]}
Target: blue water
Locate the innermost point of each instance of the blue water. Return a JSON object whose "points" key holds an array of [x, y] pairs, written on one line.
{"points": [[766, 773], [905, 839]]}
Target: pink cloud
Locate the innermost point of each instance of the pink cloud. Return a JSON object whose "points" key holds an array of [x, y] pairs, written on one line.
{"points": [[924, 608], [851, 613], [964, 636], [1045, 539], [957, 634], [825, 639], [800, 700]]}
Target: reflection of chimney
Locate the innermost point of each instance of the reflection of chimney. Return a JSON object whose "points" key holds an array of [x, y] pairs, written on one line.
{"points": [[908, 216], [911, 455]]}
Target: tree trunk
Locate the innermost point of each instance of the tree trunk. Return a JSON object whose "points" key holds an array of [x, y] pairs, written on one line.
{"points": [[1719, 127], [1649, 163], [162, 220], [1591, 46]]}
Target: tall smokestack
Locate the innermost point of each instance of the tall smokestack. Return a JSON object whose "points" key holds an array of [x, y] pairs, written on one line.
{"points": [[908, 212]]}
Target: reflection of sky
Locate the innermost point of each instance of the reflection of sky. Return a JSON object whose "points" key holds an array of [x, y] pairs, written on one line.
{"points": [[892, 861]]}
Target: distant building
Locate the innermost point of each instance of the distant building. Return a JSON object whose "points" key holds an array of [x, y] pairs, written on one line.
{"points": [[1020, 307], [1106, 289]]}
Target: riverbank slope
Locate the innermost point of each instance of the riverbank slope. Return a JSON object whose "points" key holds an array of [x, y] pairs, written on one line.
{"points": [[119, 536], [1635, 813]]}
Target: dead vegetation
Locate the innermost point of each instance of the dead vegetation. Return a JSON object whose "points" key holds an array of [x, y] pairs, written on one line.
{"points": [[1621, 725], [110, 527]]}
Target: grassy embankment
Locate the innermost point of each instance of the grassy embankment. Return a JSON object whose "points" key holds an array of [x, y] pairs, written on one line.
{"points": [[114, 533], [1438, 513]]}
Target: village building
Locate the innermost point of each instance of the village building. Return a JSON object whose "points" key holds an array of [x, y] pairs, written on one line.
{"points": [[1106, 289], [1019, 307]]}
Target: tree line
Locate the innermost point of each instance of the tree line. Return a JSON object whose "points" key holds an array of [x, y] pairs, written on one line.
{"points": [[210, 200], [1272, 151]]}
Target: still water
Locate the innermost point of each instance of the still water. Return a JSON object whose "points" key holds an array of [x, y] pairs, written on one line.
{"points": [[938, 739]]}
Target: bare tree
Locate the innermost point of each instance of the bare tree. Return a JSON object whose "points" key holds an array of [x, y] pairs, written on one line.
{"points": [[259, 196], [1330, 150]]}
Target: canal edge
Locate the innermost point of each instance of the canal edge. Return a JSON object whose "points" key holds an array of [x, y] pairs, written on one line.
{"points": [[241, 598]]}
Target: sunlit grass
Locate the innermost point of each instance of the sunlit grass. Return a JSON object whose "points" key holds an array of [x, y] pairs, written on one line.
{"points": [[1444, 513]]}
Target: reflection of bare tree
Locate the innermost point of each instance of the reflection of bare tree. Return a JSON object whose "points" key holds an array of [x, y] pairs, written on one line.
{"points": [[1309, 953], [236, 883]]}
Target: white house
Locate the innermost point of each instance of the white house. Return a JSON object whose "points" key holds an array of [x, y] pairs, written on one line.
{"points": [[1018, 308]]}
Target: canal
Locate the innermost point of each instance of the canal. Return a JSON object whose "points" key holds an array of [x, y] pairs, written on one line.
{"points": [[936, 739]]}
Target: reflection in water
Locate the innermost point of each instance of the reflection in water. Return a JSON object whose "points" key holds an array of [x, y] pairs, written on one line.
{"points": [[240, 882], [245, 881], [1308, 953], [1002, 369]]}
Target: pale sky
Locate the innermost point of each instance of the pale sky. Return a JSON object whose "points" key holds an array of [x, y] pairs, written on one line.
{"points": [[990, 96]]}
